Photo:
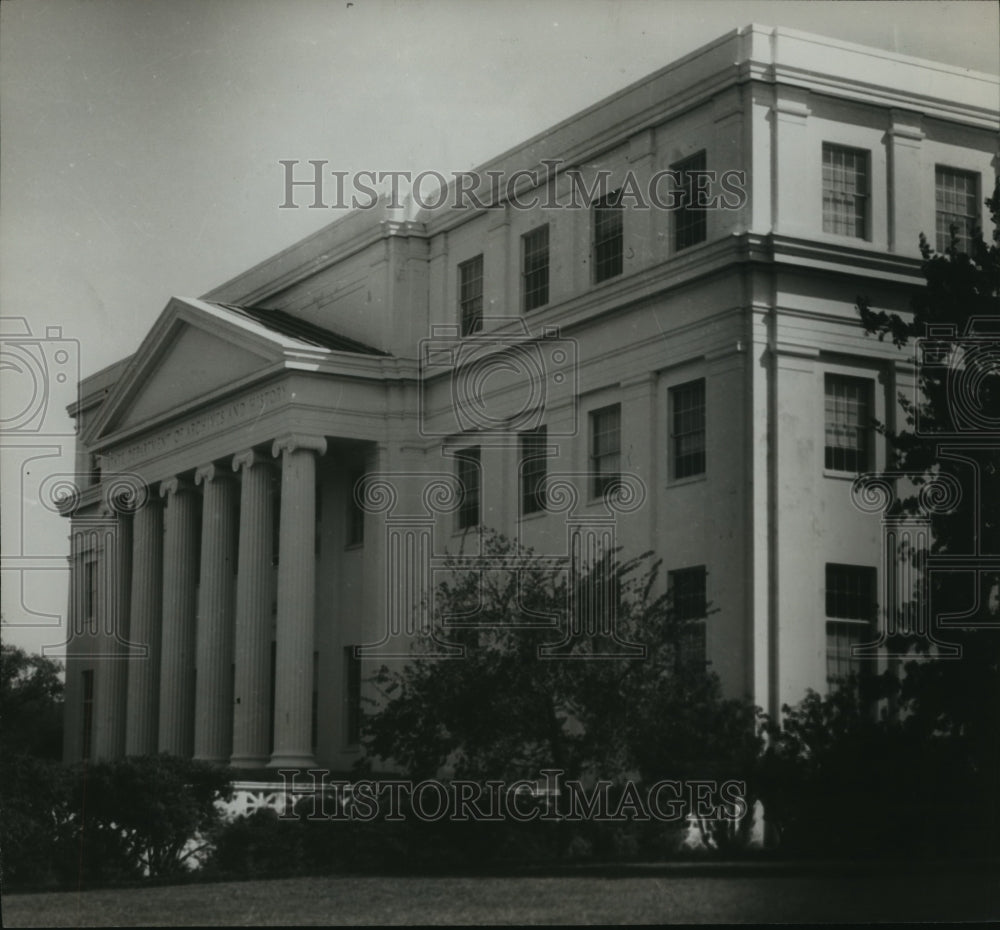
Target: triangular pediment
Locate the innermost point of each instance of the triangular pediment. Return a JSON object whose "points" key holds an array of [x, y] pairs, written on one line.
{"points": [[195, 351]]}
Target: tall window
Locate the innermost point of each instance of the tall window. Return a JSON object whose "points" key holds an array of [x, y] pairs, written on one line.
{"points": [[352, 703], [355, 512], [535, 268], [848, 423], [88, 714], [690, 220], [533, 470], [850, 609], [690, 604], [956, 201], [470, 295], [467, 461], [845, 191], [608, 216], [687, 432], [605, 449]]}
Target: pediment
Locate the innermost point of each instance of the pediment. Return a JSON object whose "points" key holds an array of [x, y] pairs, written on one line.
{"points": [[193, 352], [197, 364]]}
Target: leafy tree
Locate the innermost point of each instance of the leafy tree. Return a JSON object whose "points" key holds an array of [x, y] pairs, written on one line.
{"points": [[514, 704], [926, 777], [31, 699], [146, 815]]}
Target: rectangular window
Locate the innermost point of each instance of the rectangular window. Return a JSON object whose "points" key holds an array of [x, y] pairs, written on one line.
{"points": [[690, 219], [608, 216], [848, 423], [687, 428], [352, 702], [470, 295], [88, 715], [533, 470], [535, 268], [850, 609], [605, 449], [956, 202], [690, 604], [355, 512], [845, 191], [467, 461]]}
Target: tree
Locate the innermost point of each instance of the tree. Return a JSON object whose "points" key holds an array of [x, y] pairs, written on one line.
{"points": [[924, 778], [31, 697], [515, 705]]}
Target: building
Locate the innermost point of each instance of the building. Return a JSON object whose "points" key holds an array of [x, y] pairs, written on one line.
{"points": [[273, 473]]}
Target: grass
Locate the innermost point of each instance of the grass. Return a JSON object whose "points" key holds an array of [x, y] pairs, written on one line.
{"points": [[592, 899]]}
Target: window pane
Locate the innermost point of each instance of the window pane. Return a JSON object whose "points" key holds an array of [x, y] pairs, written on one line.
{"points": [[845, 191], [957, 205], [687, 402], [851, 599], [690, 604], [533, 470], [690, 225], [535, 268], [469, 484], [608, 236], [848, 423], [470, 295], [605, 449]]}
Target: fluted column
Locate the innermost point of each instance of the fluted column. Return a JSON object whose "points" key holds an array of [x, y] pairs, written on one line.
{"points": [[180, 579], [111, 680], [254, 593], [296, 601], [145, 619], [213, 722]]}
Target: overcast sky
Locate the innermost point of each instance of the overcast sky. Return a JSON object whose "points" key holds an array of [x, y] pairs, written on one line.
{"points": [[140, 140]]}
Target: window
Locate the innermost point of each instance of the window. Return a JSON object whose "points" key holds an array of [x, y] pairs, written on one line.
{"points": [[605, 449], [88, 715], [468, 481], [848, 423], [845, 191], [608, 236], [535, 268], [956, 201], [690, 226], [352, 702], [850, 611], [470, 295], [533, 470], [355, 512], [690, 604], [687, 432]]}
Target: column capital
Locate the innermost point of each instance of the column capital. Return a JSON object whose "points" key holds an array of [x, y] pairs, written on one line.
{"points": [[293, 442], [249, 459], [175, 485], [210, 472]]}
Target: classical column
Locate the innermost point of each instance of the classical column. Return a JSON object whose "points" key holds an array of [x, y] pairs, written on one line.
{"points": [[180, 585], [254, 594], [213, 724], [296, 601], [144, 628], [111, 680]]}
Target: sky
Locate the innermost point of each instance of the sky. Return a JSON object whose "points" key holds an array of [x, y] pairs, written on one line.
{"points": [[141, 141]]}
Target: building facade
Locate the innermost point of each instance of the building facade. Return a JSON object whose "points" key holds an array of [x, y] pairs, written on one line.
{"points": [[588, 354]]}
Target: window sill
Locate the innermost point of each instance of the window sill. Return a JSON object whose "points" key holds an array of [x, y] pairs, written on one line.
{"points": [[351, 547], [842, 475], [690, 479], [534, 515]]}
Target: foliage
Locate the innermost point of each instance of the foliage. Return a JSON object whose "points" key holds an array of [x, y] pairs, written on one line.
{"points": [[146, 815], [512, 706], [31, 698], [258, 844], [923, 778]]}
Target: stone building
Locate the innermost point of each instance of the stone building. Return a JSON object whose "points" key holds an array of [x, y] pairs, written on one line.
{"points": [[273, 476]]}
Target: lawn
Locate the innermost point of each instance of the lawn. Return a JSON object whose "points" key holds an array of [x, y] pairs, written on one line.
{"points": [[655, 898]]}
